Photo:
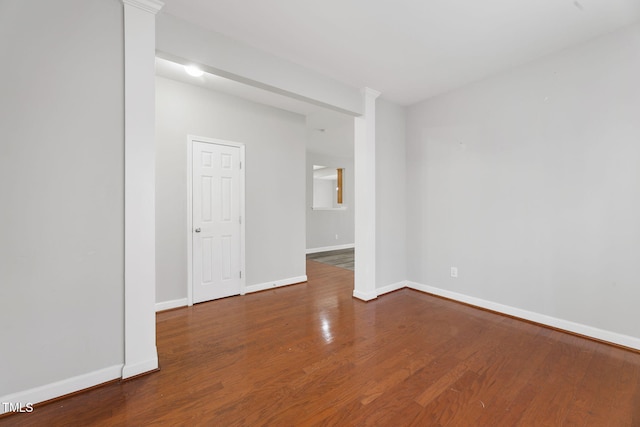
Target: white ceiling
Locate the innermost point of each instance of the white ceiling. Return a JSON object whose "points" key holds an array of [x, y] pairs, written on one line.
{"points": [[409, 49]]}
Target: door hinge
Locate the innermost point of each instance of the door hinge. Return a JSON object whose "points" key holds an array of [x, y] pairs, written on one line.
{"points": [[240, 219], [240, 165], [241, 274]]}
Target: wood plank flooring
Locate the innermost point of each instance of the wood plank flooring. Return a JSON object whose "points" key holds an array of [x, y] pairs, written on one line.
{"points": [[310, 354], [343, 258]]}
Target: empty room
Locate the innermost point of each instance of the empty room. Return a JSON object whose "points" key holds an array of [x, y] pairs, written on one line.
{"points": [[340, 213]]}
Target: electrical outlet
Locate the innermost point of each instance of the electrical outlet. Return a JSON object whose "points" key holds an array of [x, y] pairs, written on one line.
{"points": [[336, 237], [454, 271]]}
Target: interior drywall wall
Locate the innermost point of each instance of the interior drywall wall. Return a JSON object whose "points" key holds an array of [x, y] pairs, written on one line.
{"points": [[61, 191], [182, 42], [391, 230], [528, 183], [275, 181], [329, 228]]}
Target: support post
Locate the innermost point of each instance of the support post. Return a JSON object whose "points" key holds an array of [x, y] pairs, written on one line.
{"points": [[140, 353], [365, 198]]}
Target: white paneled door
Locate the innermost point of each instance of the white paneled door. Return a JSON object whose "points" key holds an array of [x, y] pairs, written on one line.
{"points": [[216, 221]]}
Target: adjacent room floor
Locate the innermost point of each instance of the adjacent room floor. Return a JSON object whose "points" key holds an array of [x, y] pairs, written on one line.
{"points": [[343, 258], [310, 354]]}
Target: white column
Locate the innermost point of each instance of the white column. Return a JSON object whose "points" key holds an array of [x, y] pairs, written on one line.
{"points": [[365, 197], [140, 353]]}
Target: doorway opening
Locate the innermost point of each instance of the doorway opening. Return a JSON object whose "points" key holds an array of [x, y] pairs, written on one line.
{"points": [[214, 118]]}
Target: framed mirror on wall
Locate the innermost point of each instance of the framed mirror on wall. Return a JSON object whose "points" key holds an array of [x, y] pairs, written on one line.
{"points": [[328, 188]]}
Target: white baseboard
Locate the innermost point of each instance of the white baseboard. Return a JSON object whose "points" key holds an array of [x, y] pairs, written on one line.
{"points": [[64, 387], [131, 370], [365, 296], [368, 296], [390, 288], [275, 284], [578, 328], [168, 305], [331, 248]]}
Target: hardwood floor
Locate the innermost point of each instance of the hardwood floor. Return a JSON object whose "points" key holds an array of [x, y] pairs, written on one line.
{"points": [[310, 354]]}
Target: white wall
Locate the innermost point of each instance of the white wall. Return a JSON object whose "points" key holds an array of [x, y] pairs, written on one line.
{"points": [[275, 182], [324, 193], [61, 192], [391, 250], [324, 225], [528, 182]]}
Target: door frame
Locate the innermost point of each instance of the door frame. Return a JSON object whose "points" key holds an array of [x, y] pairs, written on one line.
{"points": [[191, 139]]}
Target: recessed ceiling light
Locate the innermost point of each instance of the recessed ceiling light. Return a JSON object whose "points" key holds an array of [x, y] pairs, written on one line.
{"points": [[193, 70]]}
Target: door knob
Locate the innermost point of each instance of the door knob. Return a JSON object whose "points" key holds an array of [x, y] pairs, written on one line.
{"points": [[197, 230]]}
